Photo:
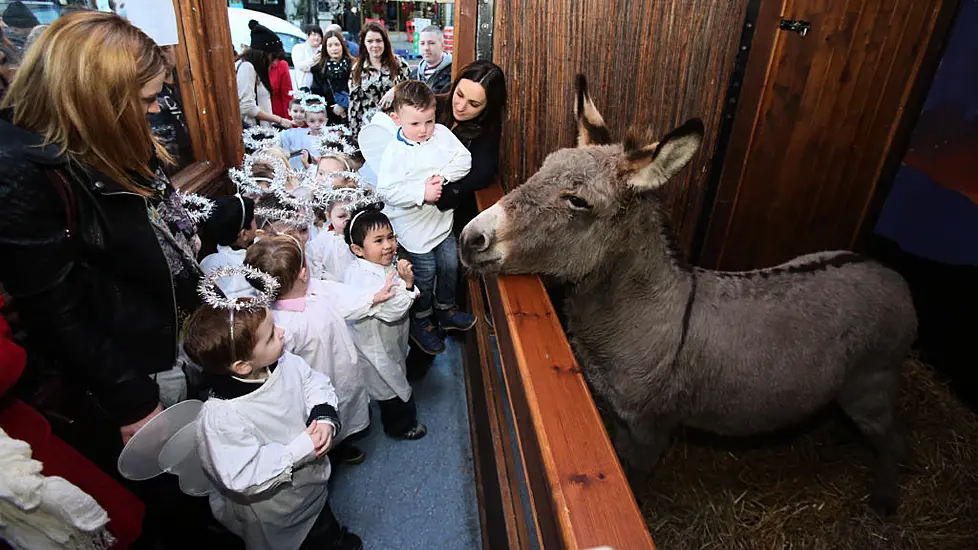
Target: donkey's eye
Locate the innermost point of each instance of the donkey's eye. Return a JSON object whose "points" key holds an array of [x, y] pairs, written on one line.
{"points": [[577, 202]]}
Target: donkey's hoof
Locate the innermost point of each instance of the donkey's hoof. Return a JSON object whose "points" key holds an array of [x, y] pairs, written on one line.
{"points": [[884, 504]]}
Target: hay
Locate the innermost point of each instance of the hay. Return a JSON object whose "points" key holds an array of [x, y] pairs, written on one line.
{"points": [[810, 491]]}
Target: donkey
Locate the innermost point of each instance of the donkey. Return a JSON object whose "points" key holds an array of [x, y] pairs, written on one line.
{"points": [[667, 344]]}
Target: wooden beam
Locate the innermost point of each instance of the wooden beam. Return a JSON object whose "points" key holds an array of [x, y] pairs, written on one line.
{"points": [[207, 81], [465, 30]]}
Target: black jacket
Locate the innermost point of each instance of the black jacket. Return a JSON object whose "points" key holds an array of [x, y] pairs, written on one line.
{"points": [[100, 302], [440, 82], [460, 195]]}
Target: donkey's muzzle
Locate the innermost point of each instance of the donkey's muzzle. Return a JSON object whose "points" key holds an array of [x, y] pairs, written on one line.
{"points": [[479, 245]]}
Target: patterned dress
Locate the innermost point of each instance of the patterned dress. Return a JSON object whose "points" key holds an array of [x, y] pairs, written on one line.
{"points": [[366, 94]]}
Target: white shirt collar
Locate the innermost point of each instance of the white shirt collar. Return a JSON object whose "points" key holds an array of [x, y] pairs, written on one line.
{"points": [[237, 255], [376, 269]]}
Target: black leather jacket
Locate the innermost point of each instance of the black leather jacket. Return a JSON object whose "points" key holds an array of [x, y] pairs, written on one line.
{"points": [[98, 302]]}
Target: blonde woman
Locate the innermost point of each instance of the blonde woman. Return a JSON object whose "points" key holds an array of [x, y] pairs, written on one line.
{"points": [[97, 252]]}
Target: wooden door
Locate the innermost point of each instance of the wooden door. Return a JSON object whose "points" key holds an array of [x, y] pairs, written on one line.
{"points": [[818, 117]]}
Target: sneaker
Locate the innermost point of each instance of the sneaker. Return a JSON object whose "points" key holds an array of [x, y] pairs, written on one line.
{"points": [[424, 334], [417, 432], [347, 541], [453, 319], [348, 454]]}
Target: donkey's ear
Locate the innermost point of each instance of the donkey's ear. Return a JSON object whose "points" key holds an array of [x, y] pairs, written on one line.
{"points": [[591, 129], [653, 165]]}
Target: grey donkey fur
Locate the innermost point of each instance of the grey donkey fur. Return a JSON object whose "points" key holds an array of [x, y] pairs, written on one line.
{"points": [[666, 344]]}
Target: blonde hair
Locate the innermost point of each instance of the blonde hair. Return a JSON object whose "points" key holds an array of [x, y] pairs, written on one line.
{"points": [[79, 88]]}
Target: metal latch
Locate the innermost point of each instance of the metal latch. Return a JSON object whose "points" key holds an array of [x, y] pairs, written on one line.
{"points": [[800, 27]]}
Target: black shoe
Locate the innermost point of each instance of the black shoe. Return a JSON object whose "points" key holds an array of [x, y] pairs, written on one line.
{"points": [[347, 454], [417, 432], [347, 541]]}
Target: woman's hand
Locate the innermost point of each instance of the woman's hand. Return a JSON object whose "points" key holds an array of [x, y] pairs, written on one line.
{"points": [[385, 102], [339, 111], [406, 271], [131, 429], [284, 123]]}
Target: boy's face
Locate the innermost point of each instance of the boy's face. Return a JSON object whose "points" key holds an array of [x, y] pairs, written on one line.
{"points": [[269, 343], [378, 246], [416, 124], [315, 121], [297, 113], [339, 216]]}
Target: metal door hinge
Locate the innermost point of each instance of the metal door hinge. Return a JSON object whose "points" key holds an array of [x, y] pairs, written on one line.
{"points": [[800, 27]]}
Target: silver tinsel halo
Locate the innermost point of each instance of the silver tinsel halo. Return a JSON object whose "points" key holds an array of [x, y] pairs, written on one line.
{"points": [[324, 191], [318, 107], [208, 288], [259, 137], [298, 94], [288, 216], [248, 184], [197, 207], [331, 146], [338, 130], [354, 199]]}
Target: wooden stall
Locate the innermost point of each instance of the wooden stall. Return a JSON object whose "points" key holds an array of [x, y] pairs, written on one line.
{"points": [[805, 102]]}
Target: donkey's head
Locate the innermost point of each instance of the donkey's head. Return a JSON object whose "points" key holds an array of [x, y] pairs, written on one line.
{"points": [[583, 204]]}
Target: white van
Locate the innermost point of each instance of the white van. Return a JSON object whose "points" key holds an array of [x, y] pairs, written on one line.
{"points": [[241, 35]]}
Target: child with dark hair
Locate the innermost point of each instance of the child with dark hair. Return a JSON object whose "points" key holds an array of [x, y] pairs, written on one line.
{"points": [[382, 335], [263, 434], [313, 314], [228, 232], [414, 167]]}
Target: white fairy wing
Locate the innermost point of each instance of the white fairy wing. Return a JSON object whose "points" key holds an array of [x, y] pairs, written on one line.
{"points": [[168, 443], [375, 137]]}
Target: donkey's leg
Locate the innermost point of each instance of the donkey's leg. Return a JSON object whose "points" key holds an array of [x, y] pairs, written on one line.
{"points": [[647, 442], [868, 398]]}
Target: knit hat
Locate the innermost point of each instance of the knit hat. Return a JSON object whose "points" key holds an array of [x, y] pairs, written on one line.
{"points": [[18, 16], [228, 219], [264, 39]]}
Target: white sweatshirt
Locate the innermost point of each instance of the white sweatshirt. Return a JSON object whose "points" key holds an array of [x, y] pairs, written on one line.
{"points": [[404, 168]]}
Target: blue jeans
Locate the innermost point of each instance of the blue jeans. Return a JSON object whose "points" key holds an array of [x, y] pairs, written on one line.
{"points": [[435, 275]]}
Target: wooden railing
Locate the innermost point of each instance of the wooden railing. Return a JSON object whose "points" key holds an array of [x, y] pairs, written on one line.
{"points": [[547, 472]]}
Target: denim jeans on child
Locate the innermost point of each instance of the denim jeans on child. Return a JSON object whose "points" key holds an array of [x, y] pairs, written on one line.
{"points": [[435, 275]]}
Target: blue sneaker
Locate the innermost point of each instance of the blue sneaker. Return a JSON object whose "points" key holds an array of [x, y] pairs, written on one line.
{"points": [[453, 319], [424, 334]]}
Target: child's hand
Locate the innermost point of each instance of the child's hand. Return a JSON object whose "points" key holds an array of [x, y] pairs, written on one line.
{"points": [[387, 292], [436, 180], [339, 111], [321, 434], [432, 191], [406, 271]]}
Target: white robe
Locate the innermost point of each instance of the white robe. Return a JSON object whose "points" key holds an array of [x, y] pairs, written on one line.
{"points": [[316, 330], [234, 286], [329, 256], [255, 447], [381, 334]]}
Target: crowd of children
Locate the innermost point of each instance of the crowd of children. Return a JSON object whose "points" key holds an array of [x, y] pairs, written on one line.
{"points": [[317, 281]]}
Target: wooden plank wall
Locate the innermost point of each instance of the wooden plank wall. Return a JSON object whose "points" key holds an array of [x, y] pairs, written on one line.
{"points": [[649, 63]]}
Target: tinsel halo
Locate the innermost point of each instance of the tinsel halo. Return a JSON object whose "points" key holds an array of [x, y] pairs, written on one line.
{"points": [[208, 288], [259, 137], [197, 207], [318, 103], [248, 184]]}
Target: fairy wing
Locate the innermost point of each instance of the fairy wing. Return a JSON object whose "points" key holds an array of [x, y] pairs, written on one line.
{"points": [[375, 137]]}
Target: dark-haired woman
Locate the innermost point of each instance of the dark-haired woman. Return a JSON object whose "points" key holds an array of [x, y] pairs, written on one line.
{"points": [[474, 110], [376, 71], [253, 79], [331, 76]]}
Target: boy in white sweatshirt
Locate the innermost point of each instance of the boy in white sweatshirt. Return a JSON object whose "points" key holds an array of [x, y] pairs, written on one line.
{"points": [[424, 157]]}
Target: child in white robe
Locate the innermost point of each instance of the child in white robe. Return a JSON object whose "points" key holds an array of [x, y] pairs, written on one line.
{"points": [[263, 433], [230, 229], [329, 255], [313, 312], [382, 335]]}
